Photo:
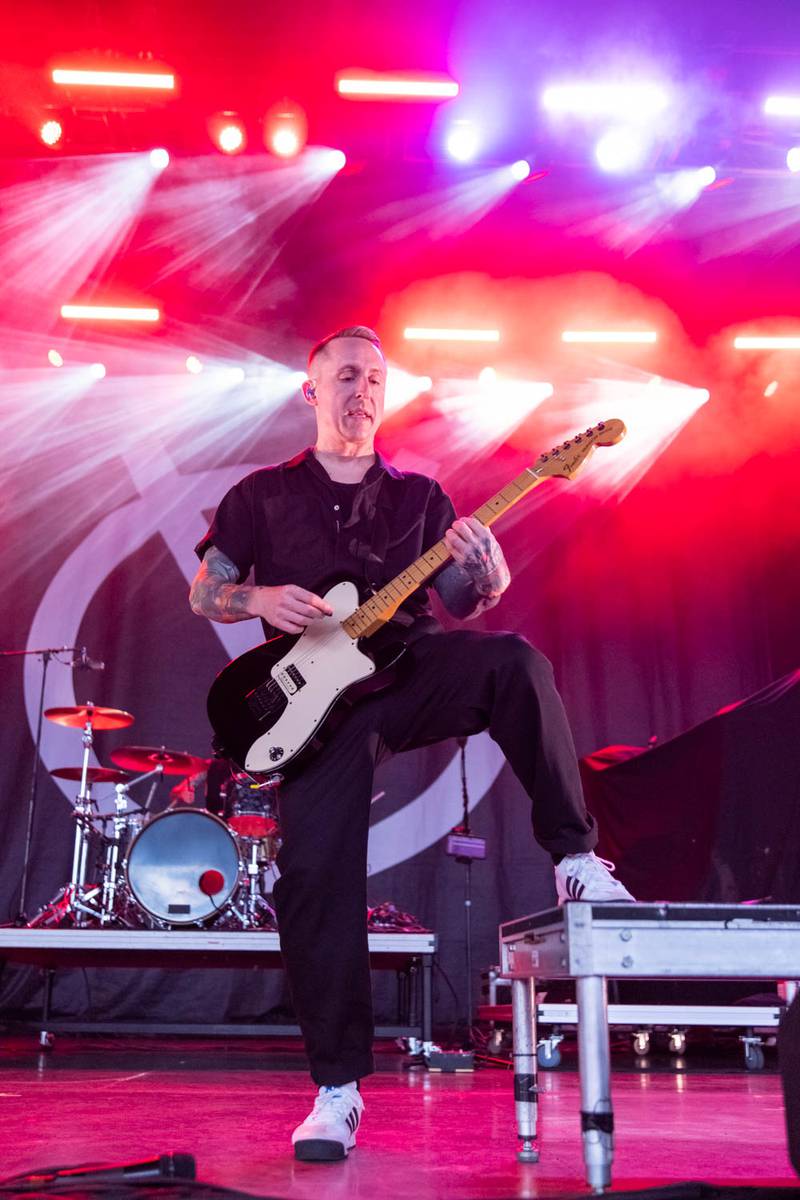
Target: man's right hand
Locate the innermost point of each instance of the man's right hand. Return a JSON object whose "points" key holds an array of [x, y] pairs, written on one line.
{"points": [[216, 594], [288, 607]]}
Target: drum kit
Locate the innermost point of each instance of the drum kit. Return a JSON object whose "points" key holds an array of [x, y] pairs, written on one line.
{"points": [[181, 868]]}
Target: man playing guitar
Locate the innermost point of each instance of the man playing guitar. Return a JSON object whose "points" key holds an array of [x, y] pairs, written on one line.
{"points": [[340, 508]]}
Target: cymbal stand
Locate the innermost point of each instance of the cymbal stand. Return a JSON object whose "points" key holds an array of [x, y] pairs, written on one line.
{"points": [[46, 655], [74, 902], [122, 822]]}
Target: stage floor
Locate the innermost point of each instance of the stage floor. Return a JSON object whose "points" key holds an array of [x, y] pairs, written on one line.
{"points": [[233, 1105]]}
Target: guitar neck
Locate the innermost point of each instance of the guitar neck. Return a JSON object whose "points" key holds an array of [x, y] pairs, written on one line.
{"points": [[380, 608]]}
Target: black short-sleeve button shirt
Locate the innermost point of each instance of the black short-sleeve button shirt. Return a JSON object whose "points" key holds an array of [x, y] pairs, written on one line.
{"points": [[291, 523]]}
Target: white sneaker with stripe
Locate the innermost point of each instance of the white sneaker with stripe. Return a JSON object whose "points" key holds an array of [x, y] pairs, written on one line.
{"points": [[329, 1131], [587, 877]]}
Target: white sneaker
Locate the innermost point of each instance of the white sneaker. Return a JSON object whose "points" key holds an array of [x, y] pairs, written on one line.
{"points": [[587, 877], [329, 1131]]}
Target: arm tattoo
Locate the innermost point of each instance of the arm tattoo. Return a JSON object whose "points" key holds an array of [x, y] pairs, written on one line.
{"points": [[463, 597], [486, 567], [215, 592]]}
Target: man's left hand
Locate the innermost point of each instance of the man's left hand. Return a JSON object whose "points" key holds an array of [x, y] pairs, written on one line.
{"points": [[477, 551]]}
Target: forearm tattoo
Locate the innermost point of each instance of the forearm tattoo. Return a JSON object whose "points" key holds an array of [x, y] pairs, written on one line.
{"points": [[215, 592], [486, 566]]}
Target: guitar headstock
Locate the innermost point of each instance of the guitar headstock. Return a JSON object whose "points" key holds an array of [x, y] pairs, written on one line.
{"points": [[568, 457]]}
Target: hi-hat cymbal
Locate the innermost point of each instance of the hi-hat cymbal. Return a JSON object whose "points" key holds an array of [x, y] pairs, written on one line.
{"points": [[172, 762], [93, 774], [78, 714]]}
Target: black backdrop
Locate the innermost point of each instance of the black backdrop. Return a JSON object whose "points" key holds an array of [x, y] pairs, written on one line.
{"points": [[659, 599]]}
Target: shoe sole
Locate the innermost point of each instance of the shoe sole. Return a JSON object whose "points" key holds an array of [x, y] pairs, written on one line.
{"points": [[319, 1150]]}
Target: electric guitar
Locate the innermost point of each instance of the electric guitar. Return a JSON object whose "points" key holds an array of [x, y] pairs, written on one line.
{"points": [[270, 707]]}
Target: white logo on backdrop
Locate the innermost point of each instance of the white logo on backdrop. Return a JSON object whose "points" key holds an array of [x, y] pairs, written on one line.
{"points": [[171, 504]]}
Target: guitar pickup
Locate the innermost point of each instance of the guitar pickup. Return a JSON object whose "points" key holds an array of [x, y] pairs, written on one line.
{"points": [[290, 679]]}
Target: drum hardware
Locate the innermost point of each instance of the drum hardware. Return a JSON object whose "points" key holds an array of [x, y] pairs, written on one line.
{"points": [[77, 901], [45, 654], [127, 824]]}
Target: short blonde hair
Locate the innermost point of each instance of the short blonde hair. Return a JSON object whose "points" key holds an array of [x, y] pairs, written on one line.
{"points": [[349, 331]]}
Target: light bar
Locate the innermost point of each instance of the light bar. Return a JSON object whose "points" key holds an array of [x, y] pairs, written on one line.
{"points": [[782, 106], [634, 102], [633, 336], [414, 334], [114, 79], [105, 312], [748, 342], [391, 87]]}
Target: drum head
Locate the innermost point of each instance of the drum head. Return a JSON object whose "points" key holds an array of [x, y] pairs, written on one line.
{"points": [[183, 867]]}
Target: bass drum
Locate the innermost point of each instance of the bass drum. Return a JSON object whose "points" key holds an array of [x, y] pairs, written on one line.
{"points": [[183, 867]]}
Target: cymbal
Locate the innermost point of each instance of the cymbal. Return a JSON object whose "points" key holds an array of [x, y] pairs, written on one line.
{"points": [[93, 774], [78, 714], [144, 758]]}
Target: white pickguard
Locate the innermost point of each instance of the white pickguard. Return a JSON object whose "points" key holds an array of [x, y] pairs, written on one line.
{"points": [[328, 661]]}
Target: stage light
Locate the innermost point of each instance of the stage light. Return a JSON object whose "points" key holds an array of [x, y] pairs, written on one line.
{"points": [[520, 170], [54, 358], [285, 129], [428, 334], [771, 388], [619, 336], [51, 132], [336, 160], [462, 141], [705, 177], [193, 365], [487, 376], [633, 102], [756, 342], [391, 87], [782, 106], [97, 371], [620, 150], [159, 159], [230, 138], [285, 143], [107, 312], [233, 375], [793, 159], [114, 79]]}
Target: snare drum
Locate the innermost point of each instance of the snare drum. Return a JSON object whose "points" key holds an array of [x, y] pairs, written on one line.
{"points": [[183, 867]]}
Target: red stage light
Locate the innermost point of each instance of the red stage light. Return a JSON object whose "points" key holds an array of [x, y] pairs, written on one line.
{"points": [[114, 79], [107, 312], [758, 342], [389, 86], [50, 132], [428, 334], [619, 336], [227, 132], [285, 129]]}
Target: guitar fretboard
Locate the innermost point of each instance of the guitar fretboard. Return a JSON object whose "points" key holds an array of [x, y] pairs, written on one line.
{"points": [[375, 612]]}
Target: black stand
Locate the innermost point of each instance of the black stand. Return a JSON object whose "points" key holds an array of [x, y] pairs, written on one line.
{"points": [[465, 848], [46, 655]]}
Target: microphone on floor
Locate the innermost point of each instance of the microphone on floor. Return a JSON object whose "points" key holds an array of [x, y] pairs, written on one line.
{"points": [[155, 1170]]}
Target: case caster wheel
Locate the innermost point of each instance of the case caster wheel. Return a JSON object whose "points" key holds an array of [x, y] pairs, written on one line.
{"points": [[641, 1042], [548, 1055], [753, 1057], [677, 1041]]}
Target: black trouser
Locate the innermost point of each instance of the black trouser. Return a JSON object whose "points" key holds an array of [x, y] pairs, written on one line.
{"points": [[460, 684]]}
